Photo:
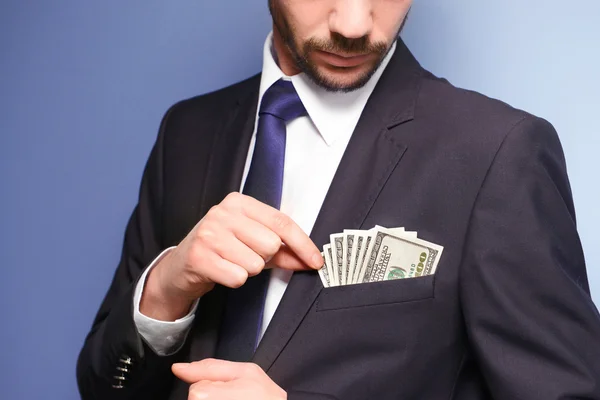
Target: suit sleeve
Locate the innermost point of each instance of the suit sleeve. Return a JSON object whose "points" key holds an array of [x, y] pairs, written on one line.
{"points": [[532, 325], [115, 362]]}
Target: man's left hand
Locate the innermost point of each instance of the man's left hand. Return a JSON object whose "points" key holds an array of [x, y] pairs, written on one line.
{"points": [[225, 380]]}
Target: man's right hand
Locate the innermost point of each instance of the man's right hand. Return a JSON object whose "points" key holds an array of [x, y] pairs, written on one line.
{"points": [[235, 240]]}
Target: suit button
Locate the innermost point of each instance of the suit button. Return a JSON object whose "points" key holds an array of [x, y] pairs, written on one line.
{"points": [[123, 370]]}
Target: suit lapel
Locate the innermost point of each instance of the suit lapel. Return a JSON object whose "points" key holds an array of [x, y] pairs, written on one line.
{"points": [[228, 155], [372, 154], [224, 174]]}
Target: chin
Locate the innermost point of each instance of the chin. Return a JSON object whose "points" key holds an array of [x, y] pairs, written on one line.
{"points": [[342, 79]]}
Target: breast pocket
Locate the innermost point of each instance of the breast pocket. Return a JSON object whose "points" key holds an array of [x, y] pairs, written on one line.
{"points": [[376, 293]]}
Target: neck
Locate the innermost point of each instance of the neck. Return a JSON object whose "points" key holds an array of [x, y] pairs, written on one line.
{"points": [[284, 56]]}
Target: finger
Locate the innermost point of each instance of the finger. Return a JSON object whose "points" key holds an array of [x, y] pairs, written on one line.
{"points": [[289, 232], [211, 369], [258, 237], [235, 251], [224, 272], [287, 259]]}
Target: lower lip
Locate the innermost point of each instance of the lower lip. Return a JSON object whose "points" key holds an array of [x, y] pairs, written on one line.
{"points": [[343, 62]]}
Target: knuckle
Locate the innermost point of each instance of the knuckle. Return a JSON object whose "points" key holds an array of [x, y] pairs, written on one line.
{"points": [[273, 244], [233, 196], [216, 213], [253, 369], [209, 363], [211, 211], [238, 280], [282, 221], [205, 236], [256, 266], [233, 199]]}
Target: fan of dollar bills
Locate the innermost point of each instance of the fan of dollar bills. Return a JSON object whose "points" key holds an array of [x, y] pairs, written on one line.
{"points": [[379, 254]]}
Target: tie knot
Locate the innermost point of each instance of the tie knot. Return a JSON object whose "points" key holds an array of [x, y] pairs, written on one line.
{"points": [[282, 101]]}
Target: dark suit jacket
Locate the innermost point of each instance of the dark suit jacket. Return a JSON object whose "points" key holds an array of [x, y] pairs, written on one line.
{"points": [[507, 316]]}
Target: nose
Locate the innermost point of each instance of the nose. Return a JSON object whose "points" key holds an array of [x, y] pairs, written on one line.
{"points": [[352, 18]]}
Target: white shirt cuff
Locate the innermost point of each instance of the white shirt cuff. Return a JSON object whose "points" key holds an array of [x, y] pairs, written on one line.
{"points": [[164, 337]]}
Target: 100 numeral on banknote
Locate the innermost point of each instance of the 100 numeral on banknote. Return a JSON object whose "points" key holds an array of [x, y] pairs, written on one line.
{"points": [[395, 257]]}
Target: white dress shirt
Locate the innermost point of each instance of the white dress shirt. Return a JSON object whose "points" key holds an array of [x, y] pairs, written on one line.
{"points": [[315, 145]]}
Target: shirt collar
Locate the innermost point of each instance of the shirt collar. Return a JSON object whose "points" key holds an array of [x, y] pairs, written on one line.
{"points": [[334, 114]]}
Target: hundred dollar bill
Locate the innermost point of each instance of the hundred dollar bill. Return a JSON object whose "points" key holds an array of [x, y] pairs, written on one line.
{"points": [[363, 256], [355, 239], [324, 274], [394, 256], [337, 246], [329, 264], [396, 231], [359, 240], [347, 245]]}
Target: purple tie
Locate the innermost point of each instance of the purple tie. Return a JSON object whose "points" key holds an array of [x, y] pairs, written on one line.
{"points": [[243, 313]]}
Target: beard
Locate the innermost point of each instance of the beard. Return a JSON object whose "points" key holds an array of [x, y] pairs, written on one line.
{"points": [[337, 44]]}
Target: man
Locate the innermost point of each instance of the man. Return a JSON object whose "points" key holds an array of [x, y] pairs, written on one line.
{"points": [[217, 294]]}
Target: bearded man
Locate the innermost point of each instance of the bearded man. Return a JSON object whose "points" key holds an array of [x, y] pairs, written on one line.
{"points": [[218, 296]]}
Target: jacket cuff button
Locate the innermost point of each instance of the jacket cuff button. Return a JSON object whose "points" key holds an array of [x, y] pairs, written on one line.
{"points": [[123, 370]]}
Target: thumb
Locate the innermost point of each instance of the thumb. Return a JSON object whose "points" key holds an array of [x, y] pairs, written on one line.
{"points": [[208, 370], [287, 259]]}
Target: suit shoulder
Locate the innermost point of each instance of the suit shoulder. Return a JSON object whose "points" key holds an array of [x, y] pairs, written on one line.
{"points": [[471, 126], [214, 102], [469, 112]]}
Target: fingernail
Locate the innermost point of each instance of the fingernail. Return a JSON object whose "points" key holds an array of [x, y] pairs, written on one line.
{"points": [[181, 365], [317, 261]]}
